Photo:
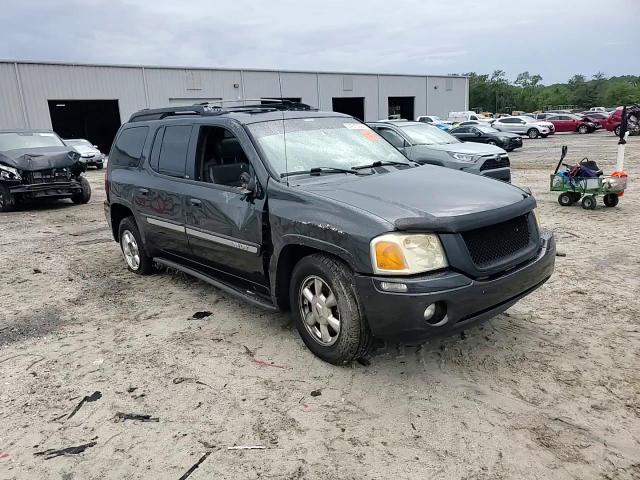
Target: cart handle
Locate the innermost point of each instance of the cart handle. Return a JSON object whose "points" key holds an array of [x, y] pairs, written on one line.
{"points": [[564, 154]]}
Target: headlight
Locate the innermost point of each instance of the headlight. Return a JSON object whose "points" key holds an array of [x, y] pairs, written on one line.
{"points": [[503, 139], [464, 157], [406, 254], [536, 216], [9, 173]]}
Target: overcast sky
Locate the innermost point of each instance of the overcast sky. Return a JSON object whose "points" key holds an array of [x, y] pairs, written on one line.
{"points": [[555, 38]]}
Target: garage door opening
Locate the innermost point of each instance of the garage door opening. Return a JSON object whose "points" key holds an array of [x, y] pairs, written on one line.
{"points": [[401, 107], [95, 120], [353, 106]]}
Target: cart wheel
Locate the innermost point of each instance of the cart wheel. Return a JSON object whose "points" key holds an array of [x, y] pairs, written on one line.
{"points": [[610, 200], [589, 202], [565, 199]]}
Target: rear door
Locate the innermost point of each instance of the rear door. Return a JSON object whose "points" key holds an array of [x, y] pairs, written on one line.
{"points": [[161, 200], [224, 223]]}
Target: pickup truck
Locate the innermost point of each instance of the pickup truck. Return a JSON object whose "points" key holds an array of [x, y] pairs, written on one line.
{"points": [[314, 212]]}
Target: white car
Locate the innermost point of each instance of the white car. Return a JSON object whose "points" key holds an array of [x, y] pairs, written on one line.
{"points": [[524, 125], [458, 117]]}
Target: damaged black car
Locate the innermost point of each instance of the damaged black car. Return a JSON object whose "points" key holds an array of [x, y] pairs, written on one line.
{"points": [[316, 213], [36, 164]]}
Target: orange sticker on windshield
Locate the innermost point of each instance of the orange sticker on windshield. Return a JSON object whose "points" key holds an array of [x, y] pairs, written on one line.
{"points": [[370, 134]]}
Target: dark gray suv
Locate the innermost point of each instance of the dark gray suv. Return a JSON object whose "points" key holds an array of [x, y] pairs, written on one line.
{"points": [[291, 208]]}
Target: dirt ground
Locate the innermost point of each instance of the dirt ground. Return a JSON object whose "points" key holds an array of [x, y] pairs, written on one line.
{"points": [[549, 390]]}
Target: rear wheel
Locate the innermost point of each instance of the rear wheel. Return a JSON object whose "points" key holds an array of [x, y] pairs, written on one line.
{"points": [[7, 201], [85, 193], [589, 202], [617, 131], [133, 249], [610, 200], [533, 133], [326, 310]]}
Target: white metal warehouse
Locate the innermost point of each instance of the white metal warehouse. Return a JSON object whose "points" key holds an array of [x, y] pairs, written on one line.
{"points": [[83, 100]]}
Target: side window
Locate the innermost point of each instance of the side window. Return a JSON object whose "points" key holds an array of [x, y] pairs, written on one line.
{"points": [[173, 150], [473, 117], [127, 151], [462, 130], [155, 149], [221, 159], [392, 137], [428, 120]]}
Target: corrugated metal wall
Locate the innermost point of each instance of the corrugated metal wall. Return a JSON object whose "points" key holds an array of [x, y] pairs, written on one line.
{"points": [[140, 87]]}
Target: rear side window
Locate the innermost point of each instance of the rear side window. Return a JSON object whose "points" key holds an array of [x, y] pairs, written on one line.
{"points": [[173, 151], [127, 150]]}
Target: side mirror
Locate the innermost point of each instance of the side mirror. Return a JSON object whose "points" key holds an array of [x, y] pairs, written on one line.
{"points": [[248, 184]]}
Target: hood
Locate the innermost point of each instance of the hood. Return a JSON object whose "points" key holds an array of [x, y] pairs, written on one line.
{"points": [[86, 150], [463, 147], [34, 159], [427, 198]]}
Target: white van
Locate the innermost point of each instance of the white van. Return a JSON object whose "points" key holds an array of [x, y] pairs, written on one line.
{"points": [[458, 117]]}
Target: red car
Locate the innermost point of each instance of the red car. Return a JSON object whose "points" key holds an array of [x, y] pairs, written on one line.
{"points": [[565, 122], [599, 118], [612, 123]]}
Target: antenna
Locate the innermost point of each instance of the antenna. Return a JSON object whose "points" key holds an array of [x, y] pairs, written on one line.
{"points": [[284, 129]]}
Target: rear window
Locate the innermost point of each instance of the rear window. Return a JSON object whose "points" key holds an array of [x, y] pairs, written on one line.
{"points": [[173, 151], [127, 151]]}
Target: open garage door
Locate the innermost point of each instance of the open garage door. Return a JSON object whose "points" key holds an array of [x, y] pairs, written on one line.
{"points": [[95, 120], [401, 107], [353, 106]]}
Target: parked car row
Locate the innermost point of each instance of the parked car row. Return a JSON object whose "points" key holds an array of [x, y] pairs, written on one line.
{"points": [[318, 213]]}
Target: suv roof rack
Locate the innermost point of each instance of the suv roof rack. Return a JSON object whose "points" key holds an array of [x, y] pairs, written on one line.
{"points": [[216, 107]]}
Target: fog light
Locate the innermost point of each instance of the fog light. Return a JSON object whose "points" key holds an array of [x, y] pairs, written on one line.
{"points": [[393, 287], [429, 311]]}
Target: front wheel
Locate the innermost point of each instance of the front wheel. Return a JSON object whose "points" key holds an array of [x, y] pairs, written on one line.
{"points": [[617, 131], [589, 202], [99, 166], [610, 200], [533, 133], [326, 310], [565, 199], [85, 193], [583, 129], [7, 200], [492, 142]]}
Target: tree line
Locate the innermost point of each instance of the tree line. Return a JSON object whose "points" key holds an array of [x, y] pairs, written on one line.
{"points": [[495, 93]]}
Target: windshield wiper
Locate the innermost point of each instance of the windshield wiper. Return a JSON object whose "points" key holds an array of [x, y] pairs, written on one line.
{"points": [[319, 170], [380, 164]]}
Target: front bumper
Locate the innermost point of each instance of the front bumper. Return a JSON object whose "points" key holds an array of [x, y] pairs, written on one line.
{"points": [[400, 316], [52, 189]]}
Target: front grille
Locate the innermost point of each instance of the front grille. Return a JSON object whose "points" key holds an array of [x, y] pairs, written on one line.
{"points": [[496, 162], [49, 176], [491, 244]]}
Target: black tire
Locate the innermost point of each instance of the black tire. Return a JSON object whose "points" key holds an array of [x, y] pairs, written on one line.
{"points": [[533, 133], [610, 200], [145, 264], [617, 131], [589, 202], [492, 142], [353, 339], [85, 194], [7, 201], [582, 129], [99, 166], [565, 199]]}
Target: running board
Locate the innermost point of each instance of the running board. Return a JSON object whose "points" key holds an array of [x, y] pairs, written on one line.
{"points": [[246, 296]]}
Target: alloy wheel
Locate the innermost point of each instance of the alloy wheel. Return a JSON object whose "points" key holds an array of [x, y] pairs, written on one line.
{"points": [[130, 250], [319, 310]]}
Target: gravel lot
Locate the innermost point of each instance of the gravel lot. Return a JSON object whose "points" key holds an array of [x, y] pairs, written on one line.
{"points": [[549, 390]]}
